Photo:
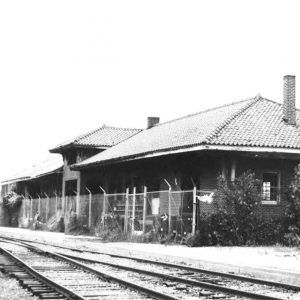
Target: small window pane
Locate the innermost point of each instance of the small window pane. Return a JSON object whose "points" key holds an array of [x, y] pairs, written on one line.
{"points": [[270, 188]]}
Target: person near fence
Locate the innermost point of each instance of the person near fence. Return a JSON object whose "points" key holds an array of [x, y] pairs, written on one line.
{"points": [[37, 224], [164, 225]]}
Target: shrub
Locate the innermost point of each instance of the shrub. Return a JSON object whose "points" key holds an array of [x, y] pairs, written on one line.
{"points": [[77, 225], [291, 238], [293, 201], [110, 230], [11, 205], [235, 221], [268, 231], [236, 203]]}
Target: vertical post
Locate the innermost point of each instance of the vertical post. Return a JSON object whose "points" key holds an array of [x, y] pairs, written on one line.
{"points": [[233, 169], [31, 208], [65, 205], [24, 207], [56, 200], [78, 195], [194, 222], [63, 195], [47, 206], [126, 210], [104, 205], [144, 209], [39, 207], [169, 199], [90, 207], [223, 168], [170, 211], [133, 209]]}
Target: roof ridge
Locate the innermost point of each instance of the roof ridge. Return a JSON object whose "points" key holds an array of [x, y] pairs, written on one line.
{"points": [[278, 103], [203, 111], [137, 132], [84, 135], [104, 126], [123, 128], [224, 124]]}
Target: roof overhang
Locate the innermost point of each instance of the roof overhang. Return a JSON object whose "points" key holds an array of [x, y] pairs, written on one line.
{"points": [[14, 180], [246, 149], [34, 177], [64, 148]]}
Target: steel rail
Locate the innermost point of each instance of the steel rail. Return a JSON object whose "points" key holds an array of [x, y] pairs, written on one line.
{"points": [[209, 286], [172, 265], [53, 285], [125, 283]]}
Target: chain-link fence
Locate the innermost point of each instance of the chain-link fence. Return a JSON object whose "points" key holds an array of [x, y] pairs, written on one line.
{"points": [[205, 202], [114, 210], [160, 212]]}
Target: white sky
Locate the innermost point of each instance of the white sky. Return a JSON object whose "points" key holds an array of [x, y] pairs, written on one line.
{"points": [[67, 67]]}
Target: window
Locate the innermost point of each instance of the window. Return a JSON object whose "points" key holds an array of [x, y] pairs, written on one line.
{"points": [[70, 187], [270, 188]]}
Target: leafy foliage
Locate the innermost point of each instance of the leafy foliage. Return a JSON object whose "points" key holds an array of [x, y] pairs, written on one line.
{"points": [[236, 203], [12, 201], [292, 221], [293, 201], [11, 204]]}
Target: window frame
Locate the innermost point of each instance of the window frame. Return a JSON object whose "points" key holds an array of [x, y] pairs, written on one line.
{"points": [[272, 202]]}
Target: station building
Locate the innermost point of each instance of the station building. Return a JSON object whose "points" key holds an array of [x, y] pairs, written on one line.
{"points": [[191, 152], [254, 134]]}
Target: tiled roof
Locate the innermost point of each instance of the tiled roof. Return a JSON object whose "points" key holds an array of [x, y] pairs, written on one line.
{"points": [[260, 125], [103, 137], [50, 165], [255, 122]]}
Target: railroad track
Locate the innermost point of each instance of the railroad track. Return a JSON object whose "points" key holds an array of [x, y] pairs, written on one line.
{"points": [[181, 281], [80, 281], [32, 280]]}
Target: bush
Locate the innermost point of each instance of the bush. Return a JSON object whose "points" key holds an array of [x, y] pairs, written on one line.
{"points": [[236, 221], [11, 204], [236, 204], [268, 231], [221, 229], [77, 225], [292, 237], [110, 230], [293, 201]]}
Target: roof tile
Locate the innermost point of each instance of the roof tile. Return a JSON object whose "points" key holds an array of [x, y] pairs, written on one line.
{"points": [[105, 136]]}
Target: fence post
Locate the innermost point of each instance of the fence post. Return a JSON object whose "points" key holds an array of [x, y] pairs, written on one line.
{"points": [[170, 211], [169, 198], [194, 210], [133, 209], [39, 207], [47, 206], [63, 203], [24, 207], [126, 210], [104, 205], [66, 205], [144, 209], [90, 207], [31, 212], [56, 203], [78, 203]]}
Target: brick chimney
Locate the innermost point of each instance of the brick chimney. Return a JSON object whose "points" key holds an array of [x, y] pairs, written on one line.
{"points": [[152, 121], [289, 97]]}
